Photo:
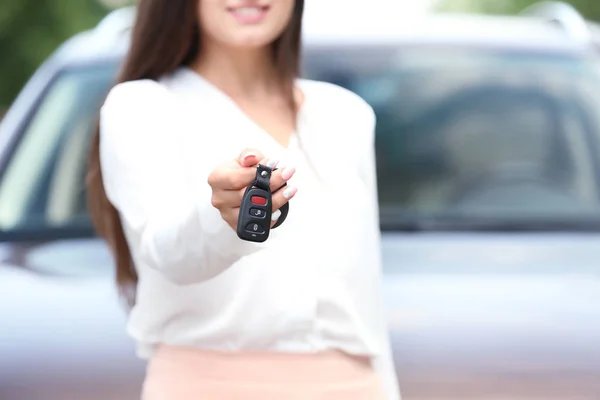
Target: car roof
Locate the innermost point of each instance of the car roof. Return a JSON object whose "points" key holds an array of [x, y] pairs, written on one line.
{"points": [[110, 38]]}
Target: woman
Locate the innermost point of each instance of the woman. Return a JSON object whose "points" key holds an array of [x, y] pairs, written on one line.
{"points": [[210, 89]]}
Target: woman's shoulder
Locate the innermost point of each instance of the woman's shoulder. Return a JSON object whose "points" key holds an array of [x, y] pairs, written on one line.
{"points": [[335, 98], [141, 107], [136, 94]]}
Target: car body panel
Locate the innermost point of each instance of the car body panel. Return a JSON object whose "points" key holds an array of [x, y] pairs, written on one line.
{"points": [[62, 333], [494, 315], [462, 323]]}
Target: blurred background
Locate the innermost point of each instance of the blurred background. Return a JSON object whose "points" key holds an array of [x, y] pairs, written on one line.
{"points": [[488, 166], [30, 30]]}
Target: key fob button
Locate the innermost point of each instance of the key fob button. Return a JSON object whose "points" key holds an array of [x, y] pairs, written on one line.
{"points": [[258, 200], [257, 212], [255, 228]]}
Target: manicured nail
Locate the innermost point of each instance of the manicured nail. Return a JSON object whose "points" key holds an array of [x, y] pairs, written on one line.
{"points": [[289, 192], [287, 173], [275, 216], [272, 163], [248, 155]]}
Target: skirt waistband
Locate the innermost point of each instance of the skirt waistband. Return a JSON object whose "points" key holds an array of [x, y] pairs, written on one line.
{"points": [[255, 366]]}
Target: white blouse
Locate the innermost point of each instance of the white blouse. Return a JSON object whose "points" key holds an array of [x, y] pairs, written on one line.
{"points": [[315, 284]]}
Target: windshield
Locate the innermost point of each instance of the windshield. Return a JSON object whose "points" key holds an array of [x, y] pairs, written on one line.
{"points": [[474, 138], [42, 185], [466, 139]]}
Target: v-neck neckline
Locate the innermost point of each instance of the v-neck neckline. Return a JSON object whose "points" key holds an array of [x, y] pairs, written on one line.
{"points": [[293, 137]]}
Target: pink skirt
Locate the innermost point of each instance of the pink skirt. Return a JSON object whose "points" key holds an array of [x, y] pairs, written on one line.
{"points": [[176, 373]]}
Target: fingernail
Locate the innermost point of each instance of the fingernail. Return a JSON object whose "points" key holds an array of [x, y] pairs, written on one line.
{"points": [[275, 216], [287, 173], [289, 192], [248, 155], [272, 163]]}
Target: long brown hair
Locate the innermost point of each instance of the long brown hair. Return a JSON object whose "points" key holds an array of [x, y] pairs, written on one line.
{"points": [[166, 35]]}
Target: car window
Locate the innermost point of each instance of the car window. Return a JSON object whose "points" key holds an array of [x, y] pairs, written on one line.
{"points": [[462, 135], [43, 183], [472, 135]]}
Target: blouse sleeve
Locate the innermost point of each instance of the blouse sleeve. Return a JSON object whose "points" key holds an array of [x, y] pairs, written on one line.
{"points": [[169, 222], [384, 362]]}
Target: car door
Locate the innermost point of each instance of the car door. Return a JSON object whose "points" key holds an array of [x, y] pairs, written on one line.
{"points": [[62, 334]]}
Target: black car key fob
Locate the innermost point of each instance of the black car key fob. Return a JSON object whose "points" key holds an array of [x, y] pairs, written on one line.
{"points": [[254, 221]]}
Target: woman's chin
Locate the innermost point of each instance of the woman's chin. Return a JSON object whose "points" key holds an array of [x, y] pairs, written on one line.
{"points": [[252, 41]]}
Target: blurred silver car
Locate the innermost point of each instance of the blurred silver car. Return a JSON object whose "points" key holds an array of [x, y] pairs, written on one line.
{"points": [[489, 183]]}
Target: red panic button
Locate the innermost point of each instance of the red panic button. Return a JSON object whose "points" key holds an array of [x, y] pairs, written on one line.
{"points": [[258, 200]]}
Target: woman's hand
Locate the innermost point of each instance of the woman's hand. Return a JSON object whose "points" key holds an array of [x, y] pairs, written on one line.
{"points": [[230, 179]]}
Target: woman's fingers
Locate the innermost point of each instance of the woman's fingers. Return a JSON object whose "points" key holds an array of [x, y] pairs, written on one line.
{"points": [[279, 198], [233, 198], [236, 174], [249, 157], [227, 177], [223, 199], [280, 177], [275, 216], [228, 201], [230, 180], [229, 184]]}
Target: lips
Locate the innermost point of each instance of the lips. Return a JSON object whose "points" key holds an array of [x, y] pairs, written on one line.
{"points": [[248, 10], [249, 13]]}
